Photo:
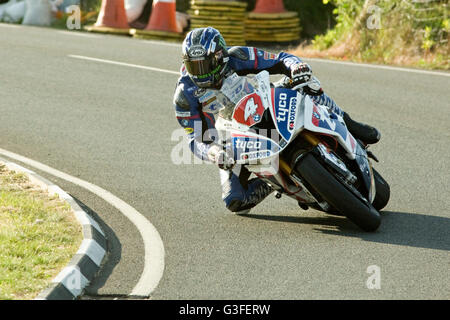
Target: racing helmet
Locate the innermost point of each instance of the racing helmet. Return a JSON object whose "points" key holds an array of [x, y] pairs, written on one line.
{"points": [[205, 57]]}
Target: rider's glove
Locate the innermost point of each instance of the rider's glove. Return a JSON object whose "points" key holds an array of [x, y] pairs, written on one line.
{"points": [[313, 88], [300, 73], [220, 157]]}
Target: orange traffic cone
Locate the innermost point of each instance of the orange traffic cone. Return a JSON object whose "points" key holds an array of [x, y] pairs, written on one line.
{"points": [[112, 15], [163, 17], [269, 6]]}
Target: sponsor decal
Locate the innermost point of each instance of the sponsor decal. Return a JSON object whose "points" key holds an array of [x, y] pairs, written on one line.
{"points": [[269, 56], [196, 51], [189, 130], [199, 92], [251, 54], [209, 101], [206, 96], [292, 113], [291, 126], [252, 144], [321, 119], [282, 107], [285, 106], [183, 114], [184, 122], [211, 107], [204, 76], [282, 143], [256, 155]]}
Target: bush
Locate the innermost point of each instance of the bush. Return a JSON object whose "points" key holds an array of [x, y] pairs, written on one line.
{"points": [[406, 30]]}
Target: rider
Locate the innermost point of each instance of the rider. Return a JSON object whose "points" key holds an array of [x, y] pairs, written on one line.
{"points": [[206, 62]]}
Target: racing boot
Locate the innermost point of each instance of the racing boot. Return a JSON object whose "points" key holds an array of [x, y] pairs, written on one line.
{"points": [[361, 131], [242, 201]]}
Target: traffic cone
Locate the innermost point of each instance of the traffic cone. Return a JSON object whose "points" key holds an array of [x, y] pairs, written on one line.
{"points": [[162, 24], [163, 17], [269, 6], [112, 15]]}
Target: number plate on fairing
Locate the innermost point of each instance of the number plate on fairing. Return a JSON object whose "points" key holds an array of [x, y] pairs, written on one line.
{"points": [[249, 110]]}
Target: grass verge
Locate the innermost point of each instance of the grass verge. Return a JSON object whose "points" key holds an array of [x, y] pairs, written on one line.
{"points": [[39, 235]]}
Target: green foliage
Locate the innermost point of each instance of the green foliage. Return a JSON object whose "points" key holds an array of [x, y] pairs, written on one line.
{"points": [[90, 5], [406, 28]]}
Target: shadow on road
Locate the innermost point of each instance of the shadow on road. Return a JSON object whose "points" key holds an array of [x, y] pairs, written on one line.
{"points": [[113, 254], [400, 228]]}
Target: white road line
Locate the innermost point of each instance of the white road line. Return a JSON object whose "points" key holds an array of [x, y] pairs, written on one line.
{"points": [[123, 64], [162, 43], [79, 34], [153, 245], [376, 66]]}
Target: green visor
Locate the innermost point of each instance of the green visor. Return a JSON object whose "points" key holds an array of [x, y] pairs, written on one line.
{"points": [[202, 67]]}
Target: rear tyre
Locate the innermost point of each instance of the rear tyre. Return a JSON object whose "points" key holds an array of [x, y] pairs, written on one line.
{"points": [[383, 191], [333, 192]]}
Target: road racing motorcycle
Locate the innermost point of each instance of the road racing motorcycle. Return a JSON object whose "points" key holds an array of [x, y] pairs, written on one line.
{"points": [[300, 148]]}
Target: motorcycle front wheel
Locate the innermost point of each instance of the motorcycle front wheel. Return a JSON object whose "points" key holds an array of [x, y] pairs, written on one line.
{"points": [[383, 191], [337, 195]]}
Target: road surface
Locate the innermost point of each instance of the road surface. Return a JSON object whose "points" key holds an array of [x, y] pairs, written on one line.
{"points": [[112, 124]]}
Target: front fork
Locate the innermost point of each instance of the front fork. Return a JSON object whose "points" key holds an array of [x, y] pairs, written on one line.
{"points": [[288, 171]]}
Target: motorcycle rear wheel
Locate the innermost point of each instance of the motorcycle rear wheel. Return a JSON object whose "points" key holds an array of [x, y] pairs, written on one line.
{"points": [[337, 195]]}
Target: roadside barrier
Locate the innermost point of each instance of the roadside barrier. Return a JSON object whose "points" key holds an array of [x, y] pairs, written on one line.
{"points": [[226, 16], [38, 13], [270, 22], [111, 19], [12, 11]]}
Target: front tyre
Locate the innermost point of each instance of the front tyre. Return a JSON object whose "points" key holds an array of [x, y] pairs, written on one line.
{"points": [[333, 192], [383, 191]]}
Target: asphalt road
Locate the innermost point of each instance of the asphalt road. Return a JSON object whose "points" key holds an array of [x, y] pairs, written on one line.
{"points": [[111, 125]]}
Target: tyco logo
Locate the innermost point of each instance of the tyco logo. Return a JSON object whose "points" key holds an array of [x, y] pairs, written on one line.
{"points": [[282, 107], [242, 144]]}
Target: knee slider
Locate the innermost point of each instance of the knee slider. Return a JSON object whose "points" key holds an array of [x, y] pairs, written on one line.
{"points": [[234, 205]]}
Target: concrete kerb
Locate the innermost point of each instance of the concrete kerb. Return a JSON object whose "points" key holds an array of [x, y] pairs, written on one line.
{"points": [[84, 265]]}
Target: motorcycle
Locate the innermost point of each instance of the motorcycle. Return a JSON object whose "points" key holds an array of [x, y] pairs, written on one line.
{"points": [[300, 149]]}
